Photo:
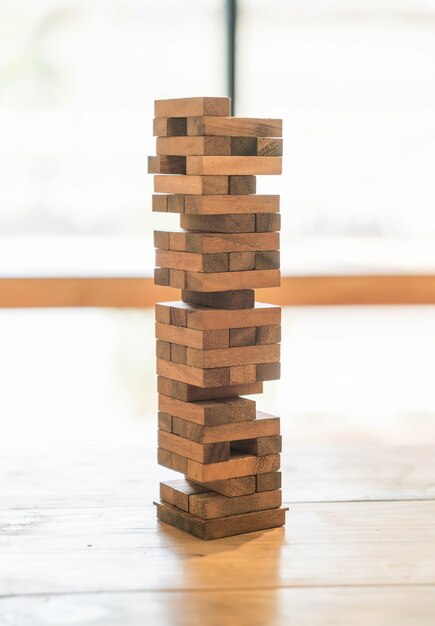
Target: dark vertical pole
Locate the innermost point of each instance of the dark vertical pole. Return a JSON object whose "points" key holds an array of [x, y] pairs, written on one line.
{"points": [[231, 23]]}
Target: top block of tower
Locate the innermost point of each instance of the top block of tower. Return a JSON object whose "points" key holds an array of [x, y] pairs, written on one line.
{"points": [[190, 107]]}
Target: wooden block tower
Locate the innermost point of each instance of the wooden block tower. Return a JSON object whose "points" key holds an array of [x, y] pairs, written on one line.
{"points": [[217, 344]]}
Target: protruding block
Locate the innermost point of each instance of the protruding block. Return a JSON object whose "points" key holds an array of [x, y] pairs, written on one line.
{"points": [[191, 393], [166, 165], [234, 126], [210, 413], [187, 107], [229, 300], [232, 165], [239, 465], [234, 223]]}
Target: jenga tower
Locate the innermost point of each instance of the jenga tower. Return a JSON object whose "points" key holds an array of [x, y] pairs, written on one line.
{"points": [[217, 344]]}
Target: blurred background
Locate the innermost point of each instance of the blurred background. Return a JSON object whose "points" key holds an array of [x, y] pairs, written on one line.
{"points": [[354, 82]]}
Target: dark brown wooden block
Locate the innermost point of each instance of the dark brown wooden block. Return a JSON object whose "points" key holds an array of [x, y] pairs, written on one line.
{"points": [[169, 126], [223, 527], [267, 222], [161, 276], [267, 260], [241, 185], [166, 165], [243, 337], [268, 482], [243, 223], [203, 453], [266, 334], [163, 350], [164, 458], [234, 126], [232, 299], [192, 393], [210, 413], [232, 165], [211, 505], [233, 487], [178, 492], [239, 261], [268, 371], [178, 353], [188, 107], [179, 463], [260, 446]]}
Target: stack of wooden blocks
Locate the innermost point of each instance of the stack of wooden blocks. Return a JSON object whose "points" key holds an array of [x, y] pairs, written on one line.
{"points": [[217, 344]]}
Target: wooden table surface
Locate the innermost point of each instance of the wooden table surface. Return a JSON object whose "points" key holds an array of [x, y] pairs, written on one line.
{"points": [[79, 543]]}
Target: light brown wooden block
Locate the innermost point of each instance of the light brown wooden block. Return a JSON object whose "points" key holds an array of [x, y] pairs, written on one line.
{"points": [[163, 350], [165, 422], [161, 239], [238, 465], [213, 243], [178, 353], [216, 377], [229, 300], [164, 203], [177, 278], [221, 527], [191, 184], [267, 260], [210, 505], [187, 146], [268, 371], [179, 463], [191, 393], [232, 165], [208, 413], [161, 276], [203, 453], [201, 318], [178, 492], [164, 458], [264, 426], [201, 339], [187, 107], [228, 357], [234, 126], [240, 261], [196, 281], [266, 335], [268, 482], [260, 446], [166, 165], [194, 262], [160, 203], [269, 146], [231, 204], [233, 487], [242, 337], [170, 126], [243, 374]]}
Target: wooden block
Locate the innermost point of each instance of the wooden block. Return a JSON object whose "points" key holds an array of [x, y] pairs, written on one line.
{"points": [[264, 426], [165, 422], [192, 393], [221, 527], [260, 446], [160, 203], [269, 146], [161, 276], [243, 374], [243, 146], [210, 413], [243, 223], [203, 318], [203, 453], [228, 357], [268, 482], [188, 146], [267, 222], [234, 126], [191, 184], [210, 505], [267, 260], [266, 334], [214, 281], [177, 278], [240, 185], [212, 243], [238, 465], [216, 377], [178, 492], [163, 350], [231, 204], [233, 487], [187, 107], [268, 371], [164, 458], [243, 337], [201, 339], [240, 261], [232, 165], [178, 353], [194, 262], [161, 239], [166, 165], [228, 300], [179, 463], [169, 126]]}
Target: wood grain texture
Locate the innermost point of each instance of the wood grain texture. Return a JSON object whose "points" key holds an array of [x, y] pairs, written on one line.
{"points": [[239, 465], [166, 165], [234, 126], [191, 393], [203, 453], [227, 357], [215, 205], [169, 126], [191, 184], [232, 223], [260, 446], [232, 165], [192, 261], [201, 339], [215, 242], [232, 299], [188, 146], [210, 413], [186, 107], [196, 281], [212, 505]]}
